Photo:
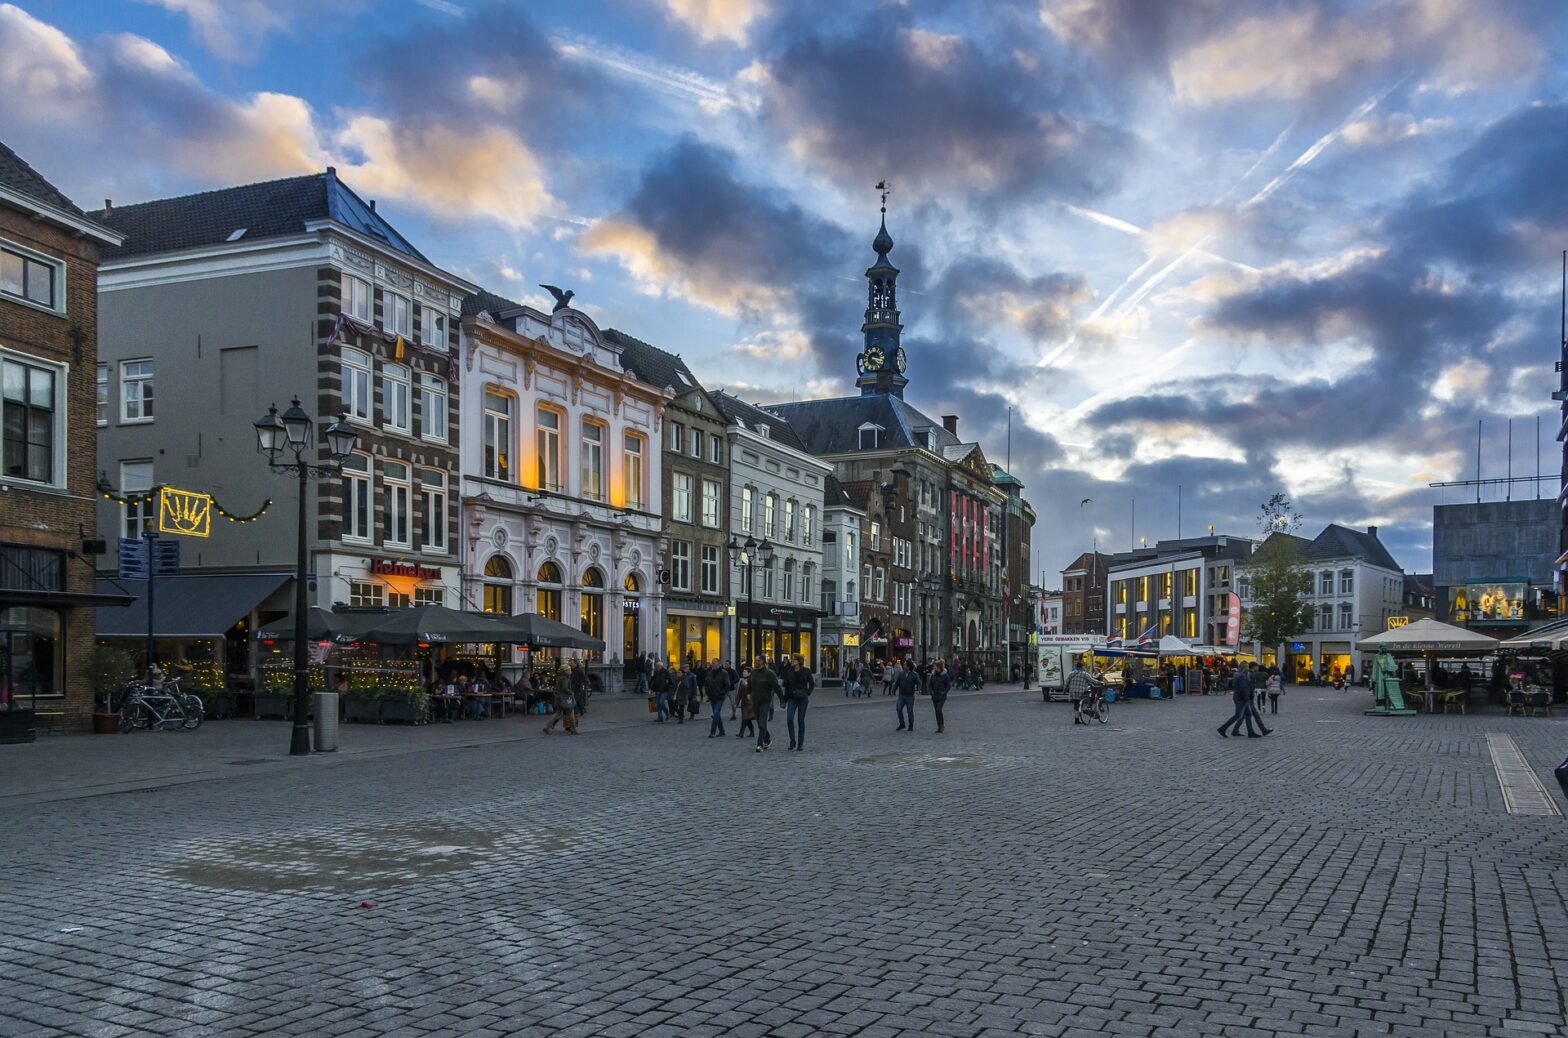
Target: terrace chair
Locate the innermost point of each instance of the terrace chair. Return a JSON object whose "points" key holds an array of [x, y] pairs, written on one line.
{"points": [[1517, 703], [1539, 701], [1454, 698]]}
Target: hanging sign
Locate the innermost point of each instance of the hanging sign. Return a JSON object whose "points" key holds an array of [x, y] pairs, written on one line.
{"points": [[1398, 621], [133, 558], [185, 512]]}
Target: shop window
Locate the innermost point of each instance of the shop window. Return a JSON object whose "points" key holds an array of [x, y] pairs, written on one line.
{"points": [[498, 585], [356, 384], [136, 383], [33, 659], [547, 601]]}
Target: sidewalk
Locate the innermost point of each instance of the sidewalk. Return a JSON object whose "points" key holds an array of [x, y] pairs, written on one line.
{"points": [[74, 766]]}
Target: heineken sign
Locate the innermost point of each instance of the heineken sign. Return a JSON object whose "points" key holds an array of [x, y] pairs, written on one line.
{"points": [[388, 568]]}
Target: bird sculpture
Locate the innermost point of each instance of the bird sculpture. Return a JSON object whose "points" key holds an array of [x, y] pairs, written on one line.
{"points": [[562, 299]]}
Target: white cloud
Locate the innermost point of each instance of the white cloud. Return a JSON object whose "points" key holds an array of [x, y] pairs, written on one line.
{"points": [[233, 29], [37, 61], [1286, 58], [717, 19]]}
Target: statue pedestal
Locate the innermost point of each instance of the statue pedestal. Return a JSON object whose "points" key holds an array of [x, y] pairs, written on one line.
{"points": [[1384, 711]]}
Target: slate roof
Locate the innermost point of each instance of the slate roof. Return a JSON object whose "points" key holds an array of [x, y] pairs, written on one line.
{"points": [[832, 426], [858, 492], [1339, 542], [734, 408], [270, 209], [834, 495], [17, 175], [658, 368], [482, 300]]}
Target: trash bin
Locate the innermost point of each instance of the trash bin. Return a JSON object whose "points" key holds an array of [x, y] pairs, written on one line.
{"points": [[326, 722]]}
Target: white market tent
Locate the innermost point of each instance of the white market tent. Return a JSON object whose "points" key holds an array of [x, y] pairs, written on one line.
{"points": [[1552, 637], [1170, 645], [1430, 637]]}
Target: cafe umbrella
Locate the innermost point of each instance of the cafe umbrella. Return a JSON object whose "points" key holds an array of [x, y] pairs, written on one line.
{"points": [[541, 632], [436, 625], [321, 625]]}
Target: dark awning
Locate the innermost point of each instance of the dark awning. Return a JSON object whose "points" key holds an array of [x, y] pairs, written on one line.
{"points": [[196, 605], [14, 597]]}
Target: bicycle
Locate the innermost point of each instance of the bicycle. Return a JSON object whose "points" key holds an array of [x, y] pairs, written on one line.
{"points": [[149, 706], [1093, 705]]}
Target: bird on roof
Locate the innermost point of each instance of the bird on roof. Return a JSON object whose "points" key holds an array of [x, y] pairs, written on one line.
{"points": [[562, 299]]}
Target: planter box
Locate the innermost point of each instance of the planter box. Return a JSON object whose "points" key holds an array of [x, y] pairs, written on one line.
{"points": [[406, 710], [363, 710], [219, 705], [18, 725], [273, 704]]}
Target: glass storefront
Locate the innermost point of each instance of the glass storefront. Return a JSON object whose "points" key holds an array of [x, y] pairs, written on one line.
{"points": [[31, 661], [693, 638]]}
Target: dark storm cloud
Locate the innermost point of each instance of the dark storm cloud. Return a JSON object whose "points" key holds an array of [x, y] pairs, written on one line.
{"points": [[883, 99]]}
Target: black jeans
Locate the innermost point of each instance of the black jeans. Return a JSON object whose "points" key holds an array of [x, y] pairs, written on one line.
{"points": [[762, 722], [937, 703]]}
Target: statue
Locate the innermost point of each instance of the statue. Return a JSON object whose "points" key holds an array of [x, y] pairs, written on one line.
{"points": [[1388, 700], [562, 299]]}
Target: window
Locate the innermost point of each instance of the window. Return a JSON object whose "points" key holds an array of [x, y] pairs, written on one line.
{"points": [[35, 652], [432, 407], [865, 582], [1326, 618], [432, 516], [435, 596], [789, 579], [1326, 583], [31, 413], [716, 450], [365, 593], [395, 315], [767, 579], [789, 520], [710, 569], [1347, 616], [30, 277], [593, 461], [682, 497], [680, 565], [548, 445], [710, 504], [394, 397], [876, 533], [356, 298], [770, 505], [696, 443], [136, 391], [356, 384], [808, 520], [881, 595], [593, 604], [631, 470], [399, 599], [498, 585], [432, 330], [748, 505], [547, 600], [677, 436], [498, 436], [806, 572], [356, 498], [394, 481], [103, 394], [138, 516], [1347, 581], [870, 437]]}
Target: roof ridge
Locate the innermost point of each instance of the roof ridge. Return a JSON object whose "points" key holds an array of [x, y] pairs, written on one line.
{"points": [[218, 191], [60, 196]]}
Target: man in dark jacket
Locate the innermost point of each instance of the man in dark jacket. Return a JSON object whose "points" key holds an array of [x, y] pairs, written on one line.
{"points": [[798, 683], [908, 684], [763, 685], [716, 686], [661, 684], [1241, 698], [937, 686]]}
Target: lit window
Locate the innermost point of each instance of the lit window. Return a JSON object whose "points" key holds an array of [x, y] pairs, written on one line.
{"points": [[29, 277], [365, 593], [498, 436], [356, 498], [593, 604], [395, 397], [356, 298], [33, 422], [432, 408], [432, 517], [394, 480], [681, 494], [631, 470], [103, 394], [136, 516], [548, 444], [710, 504], [396, 315], [593, 461], [498, 586], [356, 384], [136, 391], [710, 569]]}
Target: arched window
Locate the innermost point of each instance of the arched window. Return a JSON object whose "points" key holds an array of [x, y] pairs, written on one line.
{"points": [[632, 584], [498, 585], [592, 620], [631, 611], [547, 601], [806, 575]]}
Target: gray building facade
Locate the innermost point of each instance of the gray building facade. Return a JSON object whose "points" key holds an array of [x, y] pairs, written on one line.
{"points": [[1494, 564]]}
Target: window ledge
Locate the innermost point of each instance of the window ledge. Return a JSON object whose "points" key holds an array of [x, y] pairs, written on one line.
{"points": [[10, 483], [30, 304], [137, 421]]}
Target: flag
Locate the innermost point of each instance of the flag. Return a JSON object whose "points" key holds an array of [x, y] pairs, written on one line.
{"points": [[397, 349], [1148, 636], [337, 328]]}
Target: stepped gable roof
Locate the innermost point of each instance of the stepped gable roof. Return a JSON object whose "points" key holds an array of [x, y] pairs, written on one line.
{"points": [[17, 175], [487, 302], [270, 209], [833, 426], [659, 368], [735, 409], [1340, 542]]}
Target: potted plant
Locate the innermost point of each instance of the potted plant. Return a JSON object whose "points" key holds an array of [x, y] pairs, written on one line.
{"points": [[363, 700], [206, 680], [107, 669], [275, 697]]}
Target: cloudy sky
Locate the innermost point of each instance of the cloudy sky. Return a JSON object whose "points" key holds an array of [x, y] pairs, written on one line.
{"points": [[1231, 246]]}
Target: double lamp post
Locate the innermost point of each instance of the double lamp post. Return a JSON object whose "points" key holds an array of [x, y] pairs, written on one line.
{"points": [[748, 556], [280, 437]]}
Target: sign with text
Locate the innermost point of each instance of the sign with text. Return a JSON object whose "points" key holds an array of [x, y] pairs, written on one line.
{"points": [[388, 568], [166, 558], [133, 558], [184, 512]]}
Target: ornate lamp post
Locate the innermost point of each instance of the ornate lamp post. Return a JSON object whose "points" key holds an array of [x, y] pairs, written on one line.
{"points": [[749, 556], [927, 584], [290, 435]]}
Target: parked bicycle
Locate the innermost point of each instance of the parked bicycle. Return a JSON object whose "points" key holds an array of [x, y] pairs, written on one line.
{"points": [[165, 706], [1093, 704]]}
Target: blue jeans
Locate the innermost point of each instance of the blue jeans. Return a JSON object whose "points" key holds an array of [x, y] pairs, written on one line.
{"points": [[1243, 713], [716, 726], [663, 701], [795, 718], [906, 703]]}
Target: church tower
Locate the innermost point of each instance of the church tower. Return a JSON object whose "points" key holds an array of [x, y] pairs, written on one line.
{"points": [[881, 363]]}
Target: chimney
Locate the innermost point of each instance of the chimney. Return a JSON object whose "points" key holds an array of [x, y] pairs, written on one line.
{"points": [[950, 423], [1371, 531], [372, 205], [332, 171], [108, 205]]}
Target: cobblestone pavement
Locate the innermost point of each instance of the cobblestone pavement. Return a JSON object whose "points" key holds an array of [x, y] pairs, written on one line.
{"points": [[1348, 875]]}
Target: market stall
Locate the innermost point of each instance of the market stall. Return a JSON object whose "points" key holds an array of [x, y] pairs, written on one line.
{"points": [[1429, 641]]}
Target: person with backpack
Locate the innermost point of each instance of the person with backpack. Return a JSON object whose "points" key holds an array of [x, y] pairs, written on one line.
{"points": [[717, 687], [798, 686], [762, 687], [908, 684], [937, 686]]}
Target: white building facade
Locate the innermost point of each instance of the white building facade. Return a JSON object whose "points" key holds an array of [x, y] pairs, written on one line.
{"points": [[561, 479], [840, 602]]}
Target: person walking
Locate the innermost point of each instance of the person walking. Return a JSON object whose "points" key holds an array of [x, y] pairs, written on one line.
{"points": [[644, 671], [937, 686], [660, 684], [1274, 687], [1241, 698], [908, 684], [559, 699], [890, 676], [579, 690], [748, 716], [763, 686], [717, 687], [798, 685], [695, 690], [678, 692]]}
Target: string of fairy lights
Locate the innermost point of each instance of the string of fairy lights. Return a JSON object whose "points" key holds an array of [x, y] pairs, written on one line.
{"points": [[151, 495]]}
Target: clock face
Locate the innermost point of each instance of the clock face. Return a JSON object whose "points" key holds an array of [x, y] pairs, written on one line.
{"points": [[875, 358], [900, 360]]}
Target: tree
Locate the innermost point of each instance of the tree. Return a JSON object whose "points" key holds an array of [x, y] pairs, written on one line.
{"points": [[1278, 577]]}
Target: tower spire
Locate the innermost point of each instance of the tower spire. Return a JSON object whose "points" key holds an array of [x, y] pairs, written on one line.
{"points": [[881, 363]]}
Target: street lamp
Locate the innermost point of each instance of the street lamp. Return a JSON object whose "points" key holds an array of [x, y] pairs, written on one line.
{"points": [[927, 583], [748, 556], [292, 432]]}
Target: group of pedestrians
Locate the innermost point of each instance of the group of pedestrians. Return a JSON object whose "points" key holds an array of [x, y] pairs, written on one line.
{"points": [[1248, 685]]}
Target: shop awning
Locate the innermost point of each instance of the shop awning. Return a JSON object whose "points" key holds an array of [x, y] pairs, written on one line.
{"points": [[14, 597], [196, 605], [1551, 636]]}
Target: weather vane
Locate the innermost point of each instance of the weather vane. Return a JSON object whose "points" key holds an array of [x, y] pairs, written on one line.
{"points": [[882, 187]]}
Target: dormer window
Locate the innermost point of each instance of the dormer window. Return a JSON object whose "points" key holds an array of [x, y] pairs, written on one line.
{"points": [[762, 430], [927, 439], [870, 437]]}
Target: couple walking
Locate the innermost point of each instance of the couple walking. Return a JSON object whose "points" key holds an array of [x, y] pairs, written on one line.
{"points": [[1241, 695], [793, 688], [907, 684]]}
